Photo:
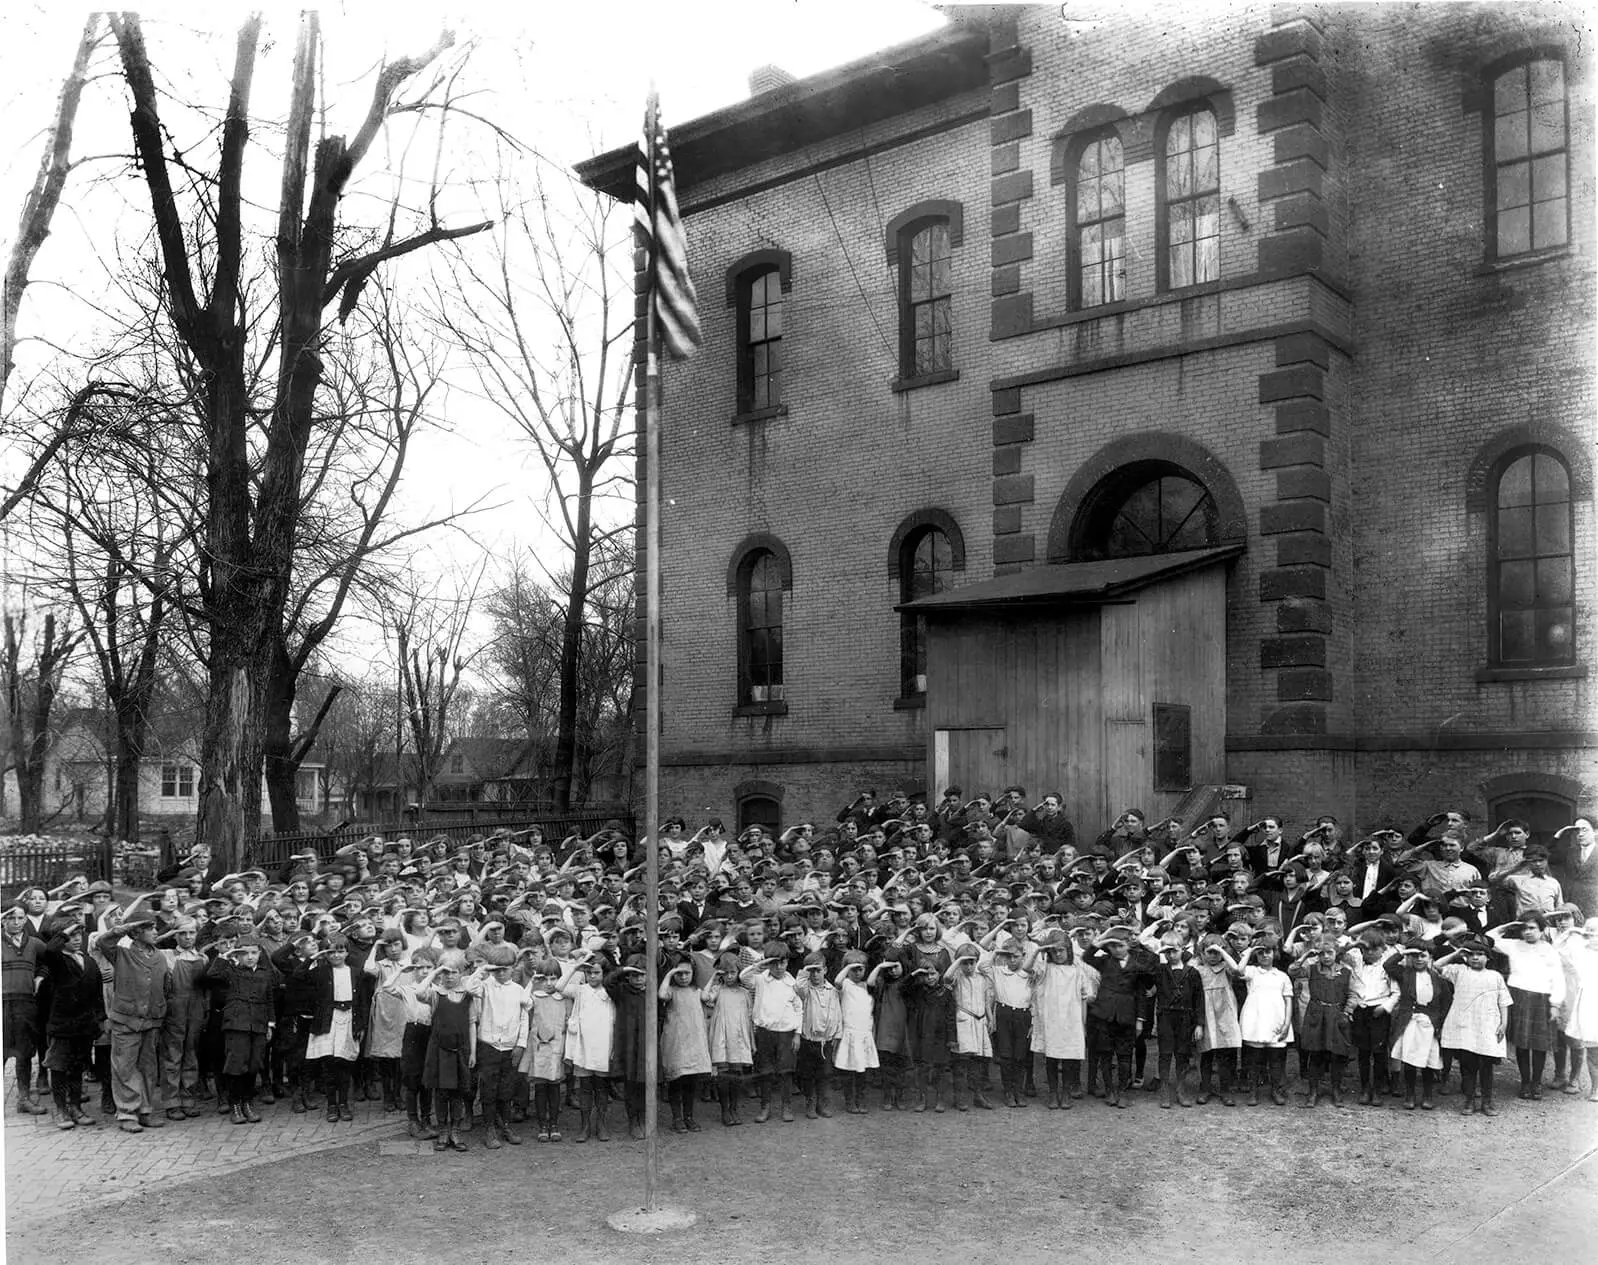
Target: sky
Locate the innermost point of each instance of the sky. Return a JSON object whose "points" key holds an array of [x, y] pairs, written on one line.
{"points": [[567, 80]]}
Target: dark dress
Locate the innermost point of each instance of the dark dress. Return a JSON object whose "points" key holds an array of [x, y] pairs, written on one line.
{"points": [[447, 1064], [627, 1043], [928, 1006], [1326, 1026]]}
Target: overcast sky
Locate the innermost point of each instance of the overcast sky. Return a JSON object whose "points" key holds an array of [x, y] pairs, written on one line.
{"points": [[567, 79]]}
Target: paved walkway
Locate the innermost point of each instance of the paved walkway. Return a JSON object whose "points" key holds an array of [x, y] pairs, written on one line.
{"points": [[52, 1172]]}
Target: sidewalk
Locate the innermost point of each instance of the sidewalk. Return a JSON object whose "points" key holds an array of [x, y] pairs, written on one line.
{"points": [[51, 1172]]}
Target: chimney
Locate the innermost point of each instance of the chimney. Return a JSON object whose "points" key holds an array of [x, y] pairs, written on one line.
{"points": [[768, 78]]}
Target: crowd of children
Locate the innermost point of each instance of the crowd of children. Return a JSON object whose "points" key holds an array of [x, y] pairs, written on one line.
{"points": [[903, 957]]}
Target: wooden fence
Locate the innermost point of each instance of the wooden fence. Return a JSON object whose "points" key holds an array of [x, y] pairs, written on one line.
{"points": [[49, 865]]}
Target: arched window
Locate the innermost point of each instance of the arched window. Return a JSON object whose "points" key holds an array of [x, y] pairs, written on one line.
{"points": [[1528, 159], [1190, 199], [760, 327], [1098, 229], [761, 581], [926, 299], [760, 810], [1149, 507], [1532, 563], [925, 564]]}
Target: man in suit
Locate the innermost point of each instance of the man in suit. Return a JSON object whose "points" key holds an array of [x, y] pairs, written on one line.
{"points": [[1262, 843], [696, 905]]}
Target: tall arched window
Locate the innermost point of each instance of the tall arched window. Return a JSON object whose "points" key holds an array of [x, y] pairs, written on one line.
{"points": [[1098, 234], [1149, 507], [1528, 163], [761, 581], [1532, 564], [925, 564], [760, 326], [926, 300], [1190, 199]]}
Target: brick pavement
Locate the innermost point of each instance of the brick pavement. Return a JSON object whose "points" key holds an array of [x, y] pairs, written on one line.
{"points": [[51, 1172]]}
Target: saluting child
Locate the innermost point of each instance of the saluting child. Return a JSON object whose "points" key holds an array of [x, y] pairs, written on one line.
{"points": [[857, 1047], [1266, 1020], [543, 1062], [969, 978], [731, 1034], [684, 1044], [590, 1034], [819, 1028], [451, 1046]]}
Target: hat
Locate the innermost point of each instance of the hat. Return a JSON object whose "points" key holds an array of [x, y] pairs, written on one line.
{"points": [[776, 951], [98, 888], [967, 950], [497, 956], [137, 924]]}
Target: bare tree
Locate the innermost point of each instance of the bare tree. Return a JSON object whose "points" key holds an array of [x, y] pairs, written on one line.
{"points": [[376, 398], [545, 318], [31, 671], [429, 635], [256, 444], [528, 621], [37, 213]]}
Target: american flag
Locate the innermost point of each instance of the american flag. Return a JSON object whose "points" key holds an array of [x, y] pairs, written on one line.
{"points": [[655, 208]]}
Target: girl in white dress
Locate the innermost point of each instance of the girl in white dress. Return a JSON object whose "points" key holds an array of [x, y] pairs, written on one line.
{"points": [[1062, 987], [1266, 1021], [336, 1028], [684, 1044], [731, 1032], [590, 1032], [1476, 1022], [857, 1045], [1579, 953]]}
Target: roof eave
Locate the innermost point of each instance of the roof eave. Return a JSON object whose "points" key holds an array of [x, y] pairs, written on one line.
{"points": [[942, 63]]}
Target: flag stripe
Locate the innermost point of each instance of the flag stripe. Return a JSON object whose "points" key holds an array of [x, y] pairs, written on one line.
{"points": [[671, 288]]}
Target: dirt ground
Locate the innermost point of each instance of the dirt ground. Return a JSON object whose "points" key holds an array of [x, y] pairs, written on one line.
{"points": [[1207, 1184]]}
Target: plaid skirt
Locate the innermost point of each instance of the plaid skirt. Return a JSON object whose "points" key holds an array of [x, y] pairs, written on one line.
{"points": [[1530, 1022]]}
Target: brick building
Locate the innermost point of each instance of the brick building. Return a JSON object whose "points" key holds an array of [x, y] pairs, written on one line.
{"points": [[1310, 289]]}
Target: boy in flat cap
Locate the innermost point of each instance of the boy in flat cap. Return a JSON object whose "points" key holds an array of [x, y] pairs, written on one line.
{"points": [[777, 1014], [247, 1019], [19, 969], [140, 984], [77, 1013]]}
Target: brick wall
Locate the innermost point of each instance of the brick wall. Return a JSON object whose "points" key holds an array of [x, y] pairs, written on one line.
{"points": [[1339, 380]]}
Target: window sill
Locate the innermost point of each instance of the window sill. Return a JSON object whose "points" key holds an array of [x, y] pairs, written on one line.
{"points": [[761, 709], [1550, 672], [910, 703], [926, 380], [759, 415], [1492, 267]]}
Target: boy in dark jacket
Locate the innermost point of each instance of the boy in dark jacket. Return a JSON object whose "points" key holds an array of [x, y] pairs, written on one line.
{"points": [[247, 1020], [77, 1014]]}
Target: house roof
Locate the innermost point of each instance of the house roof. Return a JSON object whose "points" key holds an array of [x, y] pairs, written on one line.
{"points": [[1070, 583], [892, 81], [488, 759]]}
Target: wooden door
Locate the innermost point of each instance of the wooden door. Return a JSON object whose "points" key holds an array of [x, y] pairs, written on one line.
{"points": [[972, 759]]}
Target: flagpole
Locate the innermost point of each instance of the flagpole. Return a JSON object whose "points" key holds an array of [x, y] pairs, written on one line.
{"points": [[652, 696], [652, 1218]]}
